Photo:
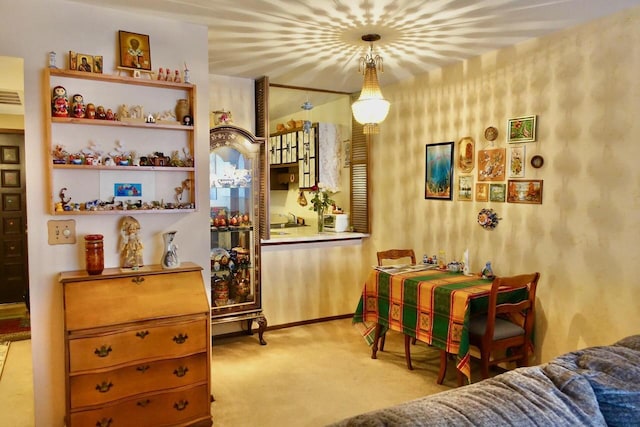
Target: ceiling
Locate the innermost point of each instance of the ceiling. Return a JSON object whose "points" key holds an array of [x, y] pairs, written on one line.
{"points": [[317, 43]]}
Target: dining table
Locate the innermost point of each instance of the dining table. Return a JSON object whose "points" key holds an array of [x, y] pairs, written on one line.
{"points": [[431, 304]]}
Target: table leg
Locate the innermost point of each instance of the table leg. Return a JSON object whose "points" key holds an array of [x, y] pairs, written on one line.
{"points": [[374, 347], [443, 366], [407, 351]]}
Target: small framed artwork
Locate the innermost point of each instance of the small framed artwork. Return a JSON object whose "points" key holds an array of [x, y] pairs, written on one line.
{"points": [[10, 178], [465, 188], [524, 191], [491, 164], [135, 51], [73, 60], [516, 162], [466, 154], [85, 63], [97, 64], [439, 171], [497, 192], [521, 129], [9, 154], [482, 192]]}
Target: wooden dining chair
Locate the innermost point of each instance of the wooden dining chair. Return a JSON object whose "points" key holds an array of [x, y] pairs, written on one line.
{"points": [[395, 255], [504, 333]]}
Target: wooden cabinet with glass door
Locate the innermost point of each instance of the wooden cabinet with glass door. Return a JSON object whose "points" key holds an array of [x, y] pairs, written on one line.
{"points": [[236, 159]]}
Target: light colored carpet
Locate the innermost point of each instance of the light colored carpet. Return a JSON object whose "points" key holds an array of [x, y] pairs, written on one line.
{"points": [[4, 350], [16, 387], [315, 374]]}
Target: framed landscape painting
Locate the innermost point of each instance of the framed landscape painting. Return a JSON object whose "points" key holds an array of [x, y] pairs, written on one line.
{"points": [[497, 192], [465, 188], [439, 171], [524, 191]]}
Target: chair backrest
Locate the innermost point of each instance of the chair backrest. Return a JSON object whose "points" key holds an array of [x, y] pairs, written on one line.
{"points": [[395, 254], [522, 311]]}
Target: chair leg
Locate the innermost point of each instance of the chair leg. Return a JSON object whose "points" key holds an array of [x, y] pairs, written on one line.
{"points": [[382, 341], [407, 351], [484, 364], [414, 340], [376, 339], [443, 366]]}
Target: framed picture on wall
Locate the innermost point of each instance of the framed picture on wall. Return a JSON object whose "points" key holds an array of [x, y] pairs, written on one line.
{"points": [[497, 192], [516, 161], [491, 164], [466, 154], [524, 191], [439, 171], [135, 51], [482, 192], [465, 188], [521, 129]]}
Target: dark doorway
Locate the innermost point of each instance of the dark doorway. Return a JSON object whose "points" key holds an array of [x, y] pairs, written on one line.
{"points": [[14, 270]]}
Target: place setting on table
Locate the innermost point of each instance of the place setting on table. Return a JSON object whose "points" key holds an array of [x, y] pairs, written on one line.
{"points": [[428, 302]]}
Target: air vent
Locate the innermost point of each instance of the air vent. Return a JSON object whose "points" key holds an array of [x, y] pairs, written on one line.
{"points": [[9, 98]]}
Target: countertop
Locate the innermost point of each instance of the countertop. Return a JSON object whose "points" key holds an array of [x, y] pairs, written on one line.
{"points": [[308, 234]]}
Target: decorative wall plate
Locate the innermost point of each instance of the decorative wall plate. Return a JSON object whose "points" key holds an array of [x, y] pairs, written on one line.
{"points": [[491, 133], [537, 161]]}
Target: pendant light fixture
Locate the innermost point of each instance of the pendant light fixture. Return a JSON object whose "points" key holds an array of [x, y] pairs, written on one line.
{"points": [[371, 108]]}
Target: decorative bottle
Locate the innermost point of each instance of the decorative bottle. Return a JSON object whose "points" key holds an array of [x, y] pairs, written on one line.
{"points": [[170, 256], [487, 272], [94, 253]]}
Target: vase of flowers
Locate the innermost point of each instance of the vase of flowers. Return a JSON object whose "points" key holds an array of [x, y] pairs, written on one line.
{"points": [[320, 201]]}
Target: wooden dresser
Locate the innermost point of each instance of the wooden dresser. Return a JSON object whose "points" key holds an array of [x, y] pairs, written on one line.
{"points": [[137, 347]]}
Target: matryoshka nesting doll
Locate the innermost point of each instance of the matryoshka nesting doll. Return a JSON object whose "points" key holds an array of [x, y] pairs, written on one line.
{"points": [[59, 102], [77, 106], [90, 113]]}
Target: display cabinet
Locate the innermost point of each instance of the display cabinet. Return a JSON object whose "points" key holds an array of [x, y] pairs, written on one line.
{"points": [[297, 147], [115, 144], [236, 159]]}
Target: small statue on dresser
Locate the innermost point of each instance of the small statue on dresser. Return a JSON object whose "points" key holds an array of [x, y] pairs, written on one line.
{"points": [[130, 244]]}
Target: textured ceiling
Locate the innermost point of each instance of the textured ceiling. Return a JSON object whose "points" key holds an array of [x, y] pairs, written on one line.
{"points": [[316, 43]]}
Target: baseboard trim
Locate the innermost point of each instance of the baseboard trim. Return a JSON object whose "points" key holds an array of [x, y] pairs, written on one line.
{"points": [[287, 325]]}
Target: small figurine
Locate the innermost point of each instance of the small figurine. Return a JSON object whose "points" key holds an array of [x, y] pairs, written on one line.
{"points": [[90, 111], [101, 113], [168, 76], [77, 106], [130, 244], [487, 272], [161, 75], [60, 102], [52, 60], [187, 78], [109, 114], [176, 77]]}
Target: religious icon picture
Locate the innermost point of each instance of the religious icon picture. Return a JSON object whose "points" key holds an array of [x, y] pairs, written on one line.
{"points": [[85, 63], [135, 51]]}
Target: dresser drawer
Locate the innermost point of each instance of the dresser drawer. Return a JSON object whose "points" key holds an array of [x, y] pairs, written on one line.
{"points": [[165, 409], [146, 342], [114, 301], [104, 387]]}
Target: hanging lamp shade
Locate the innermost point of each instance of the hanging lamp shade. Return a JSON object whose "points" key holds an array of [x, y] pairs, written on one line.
{"points": [[371, 108]]}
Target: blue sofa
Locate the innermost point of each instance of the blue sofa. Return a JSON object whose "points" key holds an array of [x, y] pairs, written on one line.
{"points": [[596, 386]]}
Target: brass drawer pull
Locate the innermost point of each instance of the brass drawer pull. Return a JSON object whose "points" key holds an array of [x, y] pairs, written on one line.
{"points": [[181, 371], [142, 368], [105, 422], [103, 351], [143, 403], [142, 334], [137, 280], [181, 405], [104, 387], [181, 338]]}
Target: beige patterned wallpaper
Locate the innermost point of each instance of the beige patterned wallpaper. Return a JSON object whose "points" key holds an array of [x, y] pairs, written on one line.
{"points": [[583, 86]]}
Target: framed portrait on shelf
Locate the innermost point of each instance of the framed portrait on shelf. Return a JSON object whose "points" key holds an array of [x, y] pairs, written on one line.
{"points": [[524, 191], [521, 129], [497, 192], [439, 171], [516, 161], [491, 164], [135, 51], [465, 188], [97, 64], [466, 154], [482, 192], [85, 63]]}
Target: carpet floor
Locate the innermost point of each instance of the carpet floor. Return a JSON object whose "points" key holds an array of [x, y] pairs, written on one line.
{"points": [[4, 350]]}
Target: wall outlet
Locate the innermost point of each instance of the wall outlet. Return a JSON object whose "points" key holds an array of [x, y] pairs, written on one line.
{"points": [[62, 232]]}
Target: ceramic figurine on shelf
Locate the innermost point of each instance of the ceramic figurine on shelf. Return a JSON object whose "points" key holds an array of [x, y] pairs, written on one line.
{"points": [[161, 74], [77, 106], [487, 271], [60, 102], [176, 77]]}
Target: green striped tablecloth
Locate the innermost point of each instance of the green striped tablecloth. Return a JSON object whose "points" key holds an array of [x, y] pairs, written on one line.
{"points": [[433, 306]]}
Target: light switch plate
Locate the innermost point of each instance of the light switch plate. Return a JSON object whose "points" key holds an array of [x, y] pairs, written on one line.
{"points": [[62, 232]]}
